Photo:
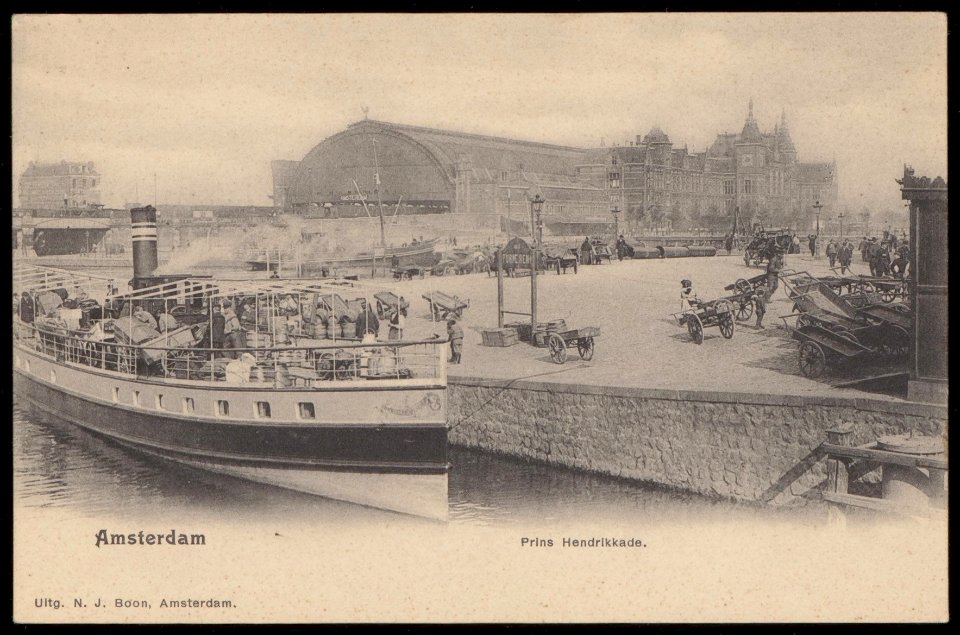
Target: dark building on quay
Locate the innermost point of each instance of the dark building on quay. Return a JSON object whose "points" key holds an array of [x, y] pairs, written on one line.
{"points": [[410, 169]]}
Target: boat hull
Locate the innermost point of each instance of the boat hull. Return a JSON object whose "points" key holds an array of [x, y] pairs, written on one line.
{"points": [[389, 464]]}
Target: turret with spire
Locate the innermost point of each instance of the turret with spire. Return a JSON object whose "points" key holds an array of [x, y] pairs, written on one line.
{"points": [[784, 144], [751, 131]]}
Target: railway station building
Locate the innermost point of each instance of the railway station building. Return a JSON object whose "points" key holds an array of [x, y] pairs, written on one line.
{"points": [[414, 170]]}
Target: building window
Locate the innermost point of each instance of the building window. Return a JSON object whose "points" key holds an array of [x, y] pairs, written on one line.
{"points": [[306, 410], [613, 180], [263, 409], [747, 186], [223, 408], [728, 187]]}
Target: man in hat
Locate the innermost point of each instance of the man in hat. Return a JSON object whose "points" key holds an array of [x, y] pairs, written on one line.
{"points": [[760, 299], [873, 249], [774, 266], [455, 334], [832, 252], [233, 334]]}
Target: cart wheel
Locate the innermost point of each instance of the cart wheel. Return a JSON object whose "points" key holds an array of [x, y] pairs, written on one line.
{"points": [[888, 296], [812, 360], [585, 348], [695, 328], [866, 287], [744, 311], [726, 325], [558, 349], [405, 276], [742, 286]]}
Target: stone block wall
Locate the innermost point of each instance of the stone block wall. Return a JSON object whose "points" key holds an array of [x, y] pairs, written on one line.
{"points": [[742, 446]]}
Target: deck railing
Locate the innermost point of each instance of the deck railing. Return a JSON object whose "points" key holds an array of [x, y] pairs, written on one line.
{"points": [[278, 366]]}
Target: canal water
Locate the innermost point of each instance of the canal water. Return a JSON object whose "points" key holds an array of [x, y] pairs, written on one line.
{"points": [[82, 475]]}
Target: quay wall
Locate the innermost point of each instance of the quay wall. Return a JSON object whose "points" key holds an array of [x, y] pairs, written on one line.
{"points": [[736, 445]]}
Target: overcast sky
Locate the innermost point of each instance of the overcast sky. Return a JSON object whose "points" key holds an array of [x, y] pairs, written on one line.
{"points": [[205, 102]]}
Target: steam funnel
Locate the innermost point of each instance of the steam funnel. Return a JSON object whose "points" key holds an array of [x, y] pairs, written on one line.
{"points": [[143, 223]]}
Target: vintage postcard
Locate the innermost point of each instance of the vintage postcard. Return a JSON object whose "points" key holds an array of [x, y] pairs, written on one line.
{"points": [[459, 318]]}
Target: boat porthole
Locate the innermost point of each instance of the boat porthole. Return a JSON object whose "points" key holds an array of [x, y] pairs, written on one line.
{"points": [[136, 397], [116, 394], [188, 406]]}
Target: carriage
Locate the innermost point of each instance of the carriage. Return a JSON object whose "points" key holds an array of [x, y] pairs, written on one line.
{"points": [[764, 244]]}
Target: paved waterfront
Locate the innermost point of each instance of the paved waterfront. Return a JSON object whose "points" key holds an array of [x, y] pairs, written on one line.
{"points": [[641, 344]]}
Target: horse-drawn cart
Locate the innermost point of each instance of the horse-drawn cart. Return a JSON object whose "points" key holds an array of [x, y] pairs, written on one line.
{"points": [[582, 338]]}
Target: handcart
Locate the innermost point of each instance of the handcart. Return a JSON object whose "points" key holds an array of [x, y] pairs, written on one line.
{"points": [[582, 338]]}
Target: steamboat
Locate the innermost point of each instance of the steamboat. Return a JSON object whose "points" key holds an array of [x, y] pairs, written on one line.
{"points": [[295, 397]]}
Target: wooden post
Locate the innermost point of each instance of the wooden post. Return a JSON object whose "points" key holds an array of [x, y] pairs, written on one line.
{"points": [[499, 262], [837, 474]]}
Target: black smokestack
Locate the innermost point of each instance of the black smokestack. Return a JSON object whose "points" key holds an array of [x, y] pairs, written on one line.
{"points": [[143, 223]]}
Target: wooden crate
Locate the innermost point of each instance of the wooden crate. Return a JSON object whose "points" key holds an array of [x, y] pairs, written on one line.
{"points": [[499, 337]]}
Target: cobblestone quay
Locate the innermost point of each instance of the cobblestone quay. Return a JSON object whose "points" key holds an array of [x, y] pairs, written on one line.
{"points": [[751, 447]]}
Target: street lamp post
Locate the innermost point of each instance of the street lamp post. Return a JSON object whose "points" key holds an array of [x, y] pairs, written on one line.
{"points": [[817, 206], [840, 217], [536, 207], [616, 230]]}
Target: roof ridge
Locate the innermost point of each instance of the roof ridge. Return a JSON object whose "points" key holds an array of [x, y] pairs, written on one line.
{"points": [[470, 135]]}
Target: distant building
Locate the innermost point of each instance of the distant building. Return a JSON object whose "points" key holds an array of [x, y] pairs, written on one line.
{"points": [[61, 185], [758, 172]]}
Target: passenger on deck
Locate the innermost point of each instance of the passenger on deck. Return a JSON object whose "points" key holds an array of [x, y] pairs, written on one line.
{"points": [[233, 334], [238, 370], [367, 322], [141, 315]]}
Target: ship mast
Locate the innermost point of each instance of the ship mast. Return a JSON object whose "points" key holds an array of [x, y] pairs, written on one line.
{"points": [[376, 189]]}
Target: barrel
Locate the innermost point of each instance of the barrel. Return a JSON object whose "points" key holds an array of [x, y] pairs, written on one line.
{"points": [[348, 329], [333, 329], [911, 485]]}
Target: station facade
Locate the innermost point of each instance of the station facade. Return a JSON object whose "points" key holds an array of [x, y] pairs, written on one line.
{"points": [[757, 172], [409, 169]]}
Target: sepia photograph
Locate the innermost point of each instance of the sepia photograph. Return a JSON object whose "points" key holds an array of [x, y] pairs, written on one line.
{"points": [[479, 318]]}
